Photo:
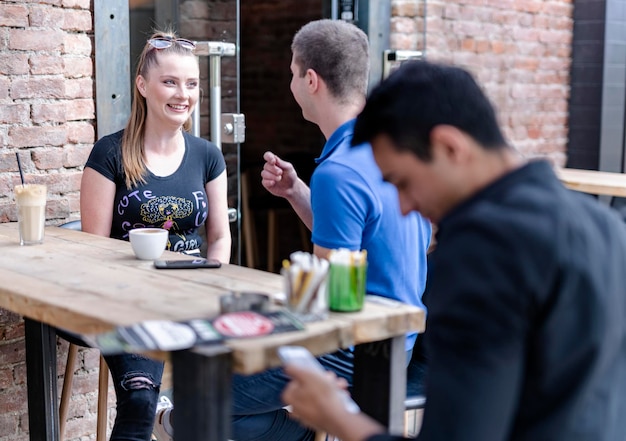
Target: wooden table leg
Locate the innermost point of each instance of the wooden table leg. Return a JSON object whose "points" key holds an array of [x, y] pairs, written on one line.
{"points": [[380, 381], [202, 393], [41, 380]]}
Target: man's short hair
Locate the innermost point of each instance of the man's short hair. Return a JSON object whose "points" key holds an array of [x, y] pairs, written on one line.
{"points": [[338, 52], [421, 95]]}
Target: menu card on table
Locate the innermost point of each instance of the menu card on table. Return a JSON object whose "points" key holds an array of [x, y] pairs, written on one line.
{"points": [[162, 335]]}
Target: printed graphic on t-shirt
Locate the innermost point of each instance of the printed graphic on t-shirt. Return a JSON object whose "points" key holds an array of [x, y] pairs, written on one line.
{"points": [[164, 210]]}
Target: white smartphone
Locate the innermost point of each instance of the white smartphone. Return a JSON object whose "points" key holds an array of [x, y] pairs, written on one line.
{"points": [[187, 263], [302, 357]]}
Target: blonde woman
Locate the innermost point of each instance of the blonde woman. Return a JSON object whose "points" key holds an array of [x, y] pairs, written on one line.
{"points": [[155, 174]]}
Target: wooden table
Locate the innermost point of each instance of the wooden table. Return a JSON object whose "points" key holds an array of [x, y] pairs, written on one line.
{"points": [[89, 284], [594, 182]]}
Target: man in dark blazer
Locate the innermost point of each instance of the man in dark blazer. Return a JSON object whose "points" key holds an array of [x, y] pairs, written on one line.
{"points": [[526, 328]]}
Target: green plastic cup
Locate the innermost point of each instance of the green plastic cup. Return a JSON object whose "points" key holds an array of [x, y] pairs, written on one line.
{"points": [[346, 287]]}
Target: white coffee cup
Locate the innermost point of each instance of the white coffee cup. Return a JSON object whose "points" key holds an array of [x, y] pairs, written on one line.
{"points": [[148, 243]]}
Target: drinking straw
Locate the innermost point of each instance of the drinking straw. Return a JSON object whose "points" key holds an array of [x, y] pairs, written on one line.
{"points": [[19, 166]]}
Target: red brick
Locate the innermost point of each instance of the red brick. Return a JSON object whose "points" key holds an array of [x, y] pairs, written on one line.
{"points": [[9, 422], [49, 112], [6, 377], [91, 359], [468, 44], [80, 133], [35, 87], [12, 63], [74, 203], [46, 64], [45, 159], [498, 47], [36, 136], [13, 16], [80, 109], [14, 113], [405, 8], [553, 36], [403, 25], [19, 374], [7, 209], [77, 67], [79, 88], [77, 20], [8, 318], [12, 352], [14, 400], [4, 87], [76, 155], [483, 46], [557, 9], [57, 209], [77, 44], [76, 4], [42, 16], [48, 2], [199, 10], [63, 182], [35, 40]]}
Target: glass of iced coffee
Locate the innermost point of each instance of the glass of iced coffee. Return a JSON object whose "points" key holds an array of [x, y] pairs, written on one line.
{"points": [[31, 212]]}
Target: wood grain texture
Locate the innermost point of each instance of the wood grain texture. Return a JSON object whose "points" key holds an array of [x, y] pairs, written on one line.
{"points": [[594, 182], [88, 284]]}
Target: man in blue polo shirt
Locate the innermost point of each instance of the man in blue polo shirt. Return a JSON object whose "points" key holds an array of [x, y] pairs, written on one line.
{"points": [[347, 206]]}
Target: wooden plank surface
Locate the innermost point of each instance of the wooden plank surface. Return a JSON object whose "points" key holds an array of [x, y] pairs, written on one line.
{"points": [[89, 284], [594, 182]]}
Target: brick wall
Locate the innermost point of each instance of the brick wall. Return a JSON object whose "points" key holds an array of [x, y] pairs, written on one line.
{"points": [[520, 50], [47, 116], [46, 96]]}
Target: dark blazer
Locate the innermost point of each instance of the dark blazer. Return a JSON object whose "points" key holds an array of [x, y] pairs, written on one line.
{"points": [[526, 329]]}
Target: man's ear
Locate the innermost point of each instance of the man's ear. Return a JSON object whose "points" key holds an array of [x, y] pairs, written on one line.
{"points": [[140, 82], [312, 80], [450, 142]]}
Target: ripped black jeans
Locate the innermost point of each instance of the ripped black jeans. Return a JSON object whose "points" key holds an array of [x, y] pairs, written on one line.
{"points": [[137, 381]]}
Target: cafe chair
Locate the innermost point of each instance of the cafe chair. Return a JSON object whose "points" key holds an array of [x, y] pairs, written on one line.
{"points": [[68, 379], [415, 398]]}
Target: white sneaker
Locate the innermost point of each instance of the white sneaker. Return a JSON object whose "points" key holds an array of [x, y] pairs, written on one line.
{"points": [[163, 430]]}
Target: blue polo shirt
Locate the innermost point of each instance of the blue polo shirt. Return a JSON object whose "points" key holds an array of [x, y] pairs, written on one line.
{"points": [[354, 208]]}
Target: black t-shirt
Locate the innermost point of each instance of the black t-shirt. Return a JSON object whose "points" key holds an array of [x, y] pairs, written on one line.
{"points": [[177, 202]]}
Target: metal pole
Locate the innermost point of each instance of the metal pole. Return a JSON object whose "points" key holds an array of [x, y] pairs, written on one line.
{"points": [[216, 97], [195, 120]]}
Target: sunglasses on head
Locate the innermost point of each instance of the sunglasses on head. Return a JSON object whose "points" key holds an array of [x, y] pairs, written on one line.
{"points": [[165, 42]]}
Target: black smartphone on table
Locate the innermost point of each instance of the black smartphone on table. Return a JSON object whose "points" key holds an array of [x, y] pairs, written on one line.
{"points": [[198, 262]]}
